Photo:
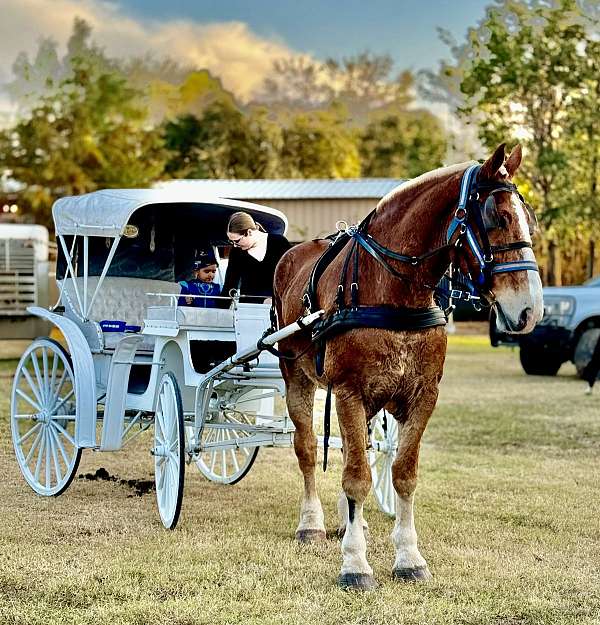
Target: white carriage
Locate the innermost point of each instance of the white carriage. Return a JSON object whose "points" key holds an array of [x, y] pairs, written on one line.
{"points": [[196, 374]]}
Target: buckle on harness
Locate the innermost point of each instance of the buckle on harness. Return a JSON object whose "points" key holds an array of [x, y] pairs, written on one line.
{"points": [[458, 294], [306, 301], [460, 214]]}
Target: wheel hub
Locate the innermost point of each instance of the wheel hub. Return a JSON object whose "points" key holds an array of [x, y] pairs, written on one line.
{"points": [[160, 451]]}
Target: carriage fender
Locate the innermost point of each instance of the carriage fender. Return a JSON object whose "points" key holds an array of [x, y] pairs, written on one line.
{"points": [[83, 373]]}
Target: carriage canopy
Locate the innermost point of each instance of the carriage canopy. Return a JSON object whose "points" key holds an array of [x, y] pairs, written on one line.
{"points": [[106, 213], [160, 232]]}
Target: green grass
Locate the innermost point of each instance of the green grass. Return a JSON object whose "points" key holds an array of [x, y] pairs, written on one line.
{"points": [[507, 511]]}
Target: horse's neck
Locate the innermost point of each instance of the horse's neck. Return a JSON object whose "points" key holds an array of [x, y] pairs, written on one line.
{"points": [[413, 226]]}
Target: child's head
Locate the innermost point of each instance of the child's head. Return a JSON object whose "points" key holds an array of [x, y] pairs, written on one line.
{"points": [[206, 273]]}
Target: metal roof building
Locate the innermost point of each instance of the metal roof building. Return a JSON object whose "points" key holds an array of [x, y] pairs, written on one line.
{"points": [[312, 206]]}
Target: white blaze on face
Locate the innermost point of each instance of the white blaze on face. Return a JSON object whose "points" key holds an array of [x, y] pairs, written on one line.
{"points": [[512, 302]]}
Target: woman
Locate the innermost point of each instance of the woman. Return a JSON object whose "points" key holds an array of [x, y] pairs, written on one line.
{"points": [[253, 259]]}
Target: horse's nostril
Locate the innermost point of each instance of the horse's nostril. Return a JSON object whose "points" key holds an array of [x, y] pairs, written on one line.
{"points": [[524, 317]]}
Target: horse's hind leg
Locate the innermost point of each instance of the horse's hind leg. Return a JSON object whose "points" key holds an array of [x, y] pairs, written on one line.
{"points": [[300, 396], [356, 483], [409, 564]]}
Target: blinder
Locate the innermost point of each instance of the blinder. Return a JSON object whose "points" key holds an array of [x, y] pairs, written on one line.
{"points": [[489, 211]]}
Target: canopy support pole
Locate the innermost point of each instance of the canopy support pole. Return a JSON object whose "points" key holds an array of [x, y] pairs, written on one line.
{"points": [[70, 267], [85, 274], [113, 249]]}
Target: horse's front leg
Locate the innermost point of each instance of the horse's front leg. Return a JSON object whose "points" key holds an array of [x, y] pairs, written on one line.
{"points": [[356, 572], [300, 397], [409, 564]]}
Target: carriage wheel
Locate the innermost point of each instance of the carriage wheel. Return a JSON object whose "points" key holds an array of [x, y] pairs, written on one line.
{"points": [[230, 464], [384, 444], [169, 450], [42, 418]]}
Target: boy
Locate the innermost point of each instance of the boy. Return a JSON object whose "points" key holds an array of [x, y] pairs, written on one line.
{"points": [[205, 270]]}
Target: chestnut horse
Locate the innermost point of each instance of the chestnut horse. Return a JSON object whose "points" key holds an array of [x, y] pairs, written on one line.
{"points": [[370, 368]]}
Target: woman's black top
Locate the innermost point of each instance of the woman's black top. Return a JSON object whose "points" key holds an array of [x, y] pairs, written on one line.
{"points": [[251, 276]]}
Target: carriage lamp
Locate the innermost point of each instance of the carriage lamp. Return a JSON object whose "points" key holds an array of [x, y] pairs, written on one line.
{"points": [[558, 309]]}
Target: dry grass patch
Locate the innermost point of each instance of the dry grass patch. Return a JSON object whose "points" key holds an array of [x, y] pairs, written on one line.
{"points": [[507, 514]]}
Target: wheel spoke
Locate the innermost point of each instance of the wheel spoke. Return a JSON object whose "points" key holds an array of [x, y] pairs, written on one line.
{"points": [[235, 462], [161, 477], [38, 377], [28, 399], [48, 467], [63, 432], [38, 465], [46, 389], [59, 386], [60, 446], [63, 400], [33, 447], [25, 436], [57, 470], [53, 376], [32, 386]]}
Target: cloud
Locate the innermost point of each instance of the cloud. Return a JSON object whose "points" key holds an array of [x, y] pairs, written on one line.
{"points": [[230, 50]]}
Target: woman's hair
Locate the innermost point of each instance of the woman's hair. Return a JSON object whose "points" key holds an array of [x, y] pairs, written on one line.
{"points": [[241, 222]]}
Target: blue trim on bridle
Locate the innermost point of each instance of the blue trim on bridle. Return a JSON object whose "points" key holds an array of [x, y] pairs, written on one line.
{"points": [[468, 202]]}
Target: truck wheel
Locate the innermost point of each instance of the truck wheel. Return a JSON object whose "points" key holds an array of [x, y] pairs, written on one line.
{"points": [[538, 361], [585, 349]]}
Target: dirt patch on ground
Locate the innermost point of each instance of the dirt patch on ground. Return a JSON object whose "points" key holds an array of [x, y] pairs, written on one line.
{"points": [[140, 487]]}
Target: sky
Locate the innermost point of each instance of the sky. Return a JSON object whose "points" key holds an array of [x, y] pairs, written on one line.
{"points": [[239, 39]]}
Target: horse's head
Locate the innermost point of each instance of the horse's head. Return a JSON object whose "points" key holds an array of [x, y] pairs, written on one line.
{"points": [[503, 225]]}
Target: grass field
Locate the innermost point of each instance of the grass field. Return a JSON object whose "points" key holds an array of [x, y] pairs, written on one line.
{"points": [[508, 515]]}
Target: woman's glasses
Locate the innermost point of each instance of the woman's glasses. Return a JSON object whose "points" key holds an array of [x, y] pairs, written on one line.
{"points": [[236, 242]]}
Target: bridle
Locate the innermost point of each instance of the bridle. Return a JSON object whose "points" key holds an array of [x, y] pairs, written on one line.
{"points": [[485, 217]]}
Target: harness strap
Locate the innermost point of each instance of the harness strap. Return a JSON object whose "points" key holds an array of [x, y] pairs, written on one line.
{"points": [[326, 425], [310, 295]]}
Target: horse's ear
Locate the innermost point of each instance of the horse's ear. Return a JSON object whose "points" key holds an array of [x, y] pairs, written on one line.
{"points": [[514, 160], [493, 164]]}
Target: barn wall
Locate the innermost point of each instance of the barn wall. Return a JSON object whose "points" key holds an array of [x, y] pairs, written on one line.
{"points": [[309, 219]]}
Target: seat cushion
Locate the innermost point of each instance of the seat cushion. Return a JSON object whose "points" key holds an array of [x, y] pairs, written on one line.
{"points": [[123, 299], [192, 316]]}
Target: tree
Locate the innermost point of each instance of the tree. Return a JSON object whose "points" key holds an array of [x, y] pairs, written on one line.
{"points": [[319, 144], [402, 144], [223, 142], [361, 83], [89, 133], [530, 73]]}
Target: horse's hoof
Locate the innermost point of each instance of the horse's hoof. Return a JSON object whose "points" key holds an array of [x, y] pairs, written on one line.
{"points": [[310, 536], [357, 581], [418, 574]]}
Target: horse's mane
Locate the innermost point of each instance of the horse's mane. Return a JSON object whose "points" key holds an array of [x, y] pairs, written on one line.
{"points": [[403, 191]]}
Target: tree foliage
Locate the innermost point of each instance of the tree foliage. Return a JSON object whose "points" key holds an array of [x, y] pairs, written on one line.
{"points": [[530, 73], [89, 133], [402, 144], [90, 121]]}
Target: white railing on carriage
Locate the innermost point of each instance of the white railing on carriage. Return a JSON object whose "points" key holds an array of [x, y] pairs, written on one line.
{"points": [[84, 308]]}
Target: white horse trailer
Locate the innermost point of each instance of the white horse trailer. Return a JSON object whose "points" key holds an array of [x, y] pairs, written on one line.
{"points": [[199, 375], [24, 279]]}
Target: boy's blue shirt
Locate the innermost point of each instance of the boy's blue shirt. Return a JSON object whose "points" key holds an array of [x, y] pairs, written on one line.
{"points": [[196, 287]]}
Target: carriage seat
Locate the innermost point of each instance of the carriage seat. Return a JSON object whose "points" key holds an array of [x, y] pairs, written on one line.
{"points": [[119, 298], [192, 316]]}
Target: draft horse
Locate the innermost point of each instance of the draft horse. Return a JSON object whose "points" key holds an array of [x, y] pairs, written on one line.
{"points": [[387, 344]]}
